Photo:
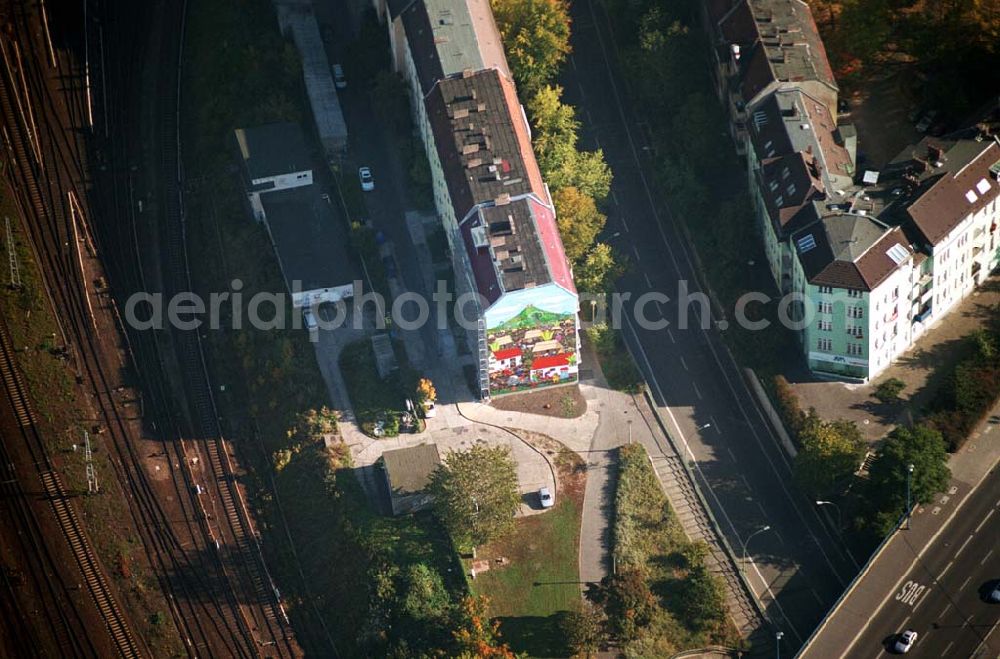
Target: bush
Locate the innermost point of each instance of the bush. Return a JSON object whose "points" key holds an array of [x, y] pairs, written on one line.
{"points": [[971, 390], [663, 598], [788, 407], [616, 362], [889, 390]]}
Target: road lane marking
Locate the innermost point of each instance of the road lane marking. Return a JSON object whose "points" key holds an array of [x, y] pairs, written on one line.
{"points": [[910, 592], [711, 492], [988, 554], [696, 392], [946, 648], [671, 335], [985, 519], [636, 252], [614, 197], [874, 559], [945, 609], [625, 224], [946, 568], [649, 283], [683, 363], [965, 583], [731, 454], [964, 544]]}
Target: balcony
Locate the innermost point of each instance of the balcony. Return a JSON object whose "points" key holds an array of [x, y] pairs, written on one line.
{"points": [[925, 313]]}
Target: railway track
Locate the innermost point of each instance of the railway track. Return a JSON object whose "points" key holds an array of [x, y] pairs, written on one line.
{"points": [[40, 193], [243, 548], [86, 560], [221, 597]]}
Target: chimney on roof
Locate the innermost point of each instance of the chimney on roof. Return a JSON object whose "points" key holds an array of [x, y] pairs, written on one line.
{"points": [[502, 200], [468, 73], [922, 165], [934, 153]]}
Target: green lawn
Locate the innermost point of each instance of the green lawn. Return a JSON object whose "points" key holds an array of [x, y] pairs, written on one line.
{"points": [[542, 581]]}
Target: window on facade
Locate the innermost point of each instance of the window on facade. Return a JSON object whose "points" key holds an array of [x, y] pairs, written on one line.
{"points": [[825, 326], [826, 289], [855, 312], [785, 173], [853, 293], [854, 349], [826, 307], [825, 345], [773, 185]]}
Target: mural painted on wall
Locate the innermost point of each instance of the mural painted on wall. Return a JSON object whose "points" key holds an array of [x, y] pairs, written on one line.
{"points": [[533, 345]]}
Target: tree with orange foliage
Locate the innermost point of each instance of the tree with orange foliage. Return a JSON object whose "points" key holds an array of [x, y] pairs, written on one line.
{"points": [[476, 636]]}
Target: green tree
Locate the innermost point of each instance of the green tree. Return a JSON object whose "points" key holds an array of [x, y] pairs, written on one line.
{"points": [[629, 603], [535, 36], [476, 493], [578, 219], [426, 598], [554, 125], [924, 448], [584, 629], [829, 452], [391, 102], [584, 170], [889, 390], [598, 270], [702, 602]]}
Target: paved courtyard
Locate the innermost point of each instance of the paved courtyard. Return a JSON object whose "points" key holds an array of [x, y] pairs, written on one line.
{"points": [[941, 344]]}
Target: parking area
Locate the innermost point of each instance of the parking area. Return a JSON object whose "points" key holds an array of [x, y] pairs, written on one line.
{"points": [[918, 368]]}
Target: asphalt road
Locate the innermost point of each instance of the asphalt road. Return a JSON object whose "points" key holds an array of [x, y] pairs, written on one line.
{"points": [[797, 567], [943, 595]]}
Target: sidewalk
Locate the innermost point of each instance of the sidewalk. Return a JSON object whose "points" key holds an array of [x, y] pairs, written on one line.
{"points": [[918, 368], [968, 467]]}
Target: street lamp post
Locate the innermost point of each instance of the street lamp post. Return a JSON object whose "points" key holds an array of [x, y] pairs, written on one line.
{"points": [[630, 431], [778, 635], [707, 425], [909, 474], [840, 521], [747, 541]]}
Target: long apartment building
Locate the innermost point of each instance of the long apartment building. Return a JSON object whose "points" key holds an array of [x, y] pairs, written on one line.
{"points": [[874, 258], [489, 194]]}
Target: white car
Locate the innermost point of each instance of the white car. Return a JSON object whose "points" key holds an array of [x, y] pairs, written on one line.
{"points": [[546, 498], [366, 178], [310, 319], [905, 641], [338, 77]]}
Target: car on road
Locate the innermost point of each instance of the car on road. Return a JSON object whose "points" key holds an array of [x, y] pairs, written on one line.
{"points": [[366, 178], [905, 641], [994, 595], [546, 498], [310, 319], [339, 79]]}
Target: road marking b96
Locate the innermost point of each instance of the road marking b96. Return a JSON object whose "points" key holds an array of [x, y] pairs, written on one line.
{"points": [[910, 593]]}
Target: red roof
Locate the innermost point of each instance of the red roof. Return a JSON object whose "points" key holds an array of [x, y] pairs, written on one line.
{"points": [[507, 354], [561, 359]]}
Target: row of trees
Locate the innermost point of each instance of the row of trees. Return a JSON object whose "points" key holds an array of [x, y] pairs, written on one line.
{"points": [[831, 452], [536, 40]]}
